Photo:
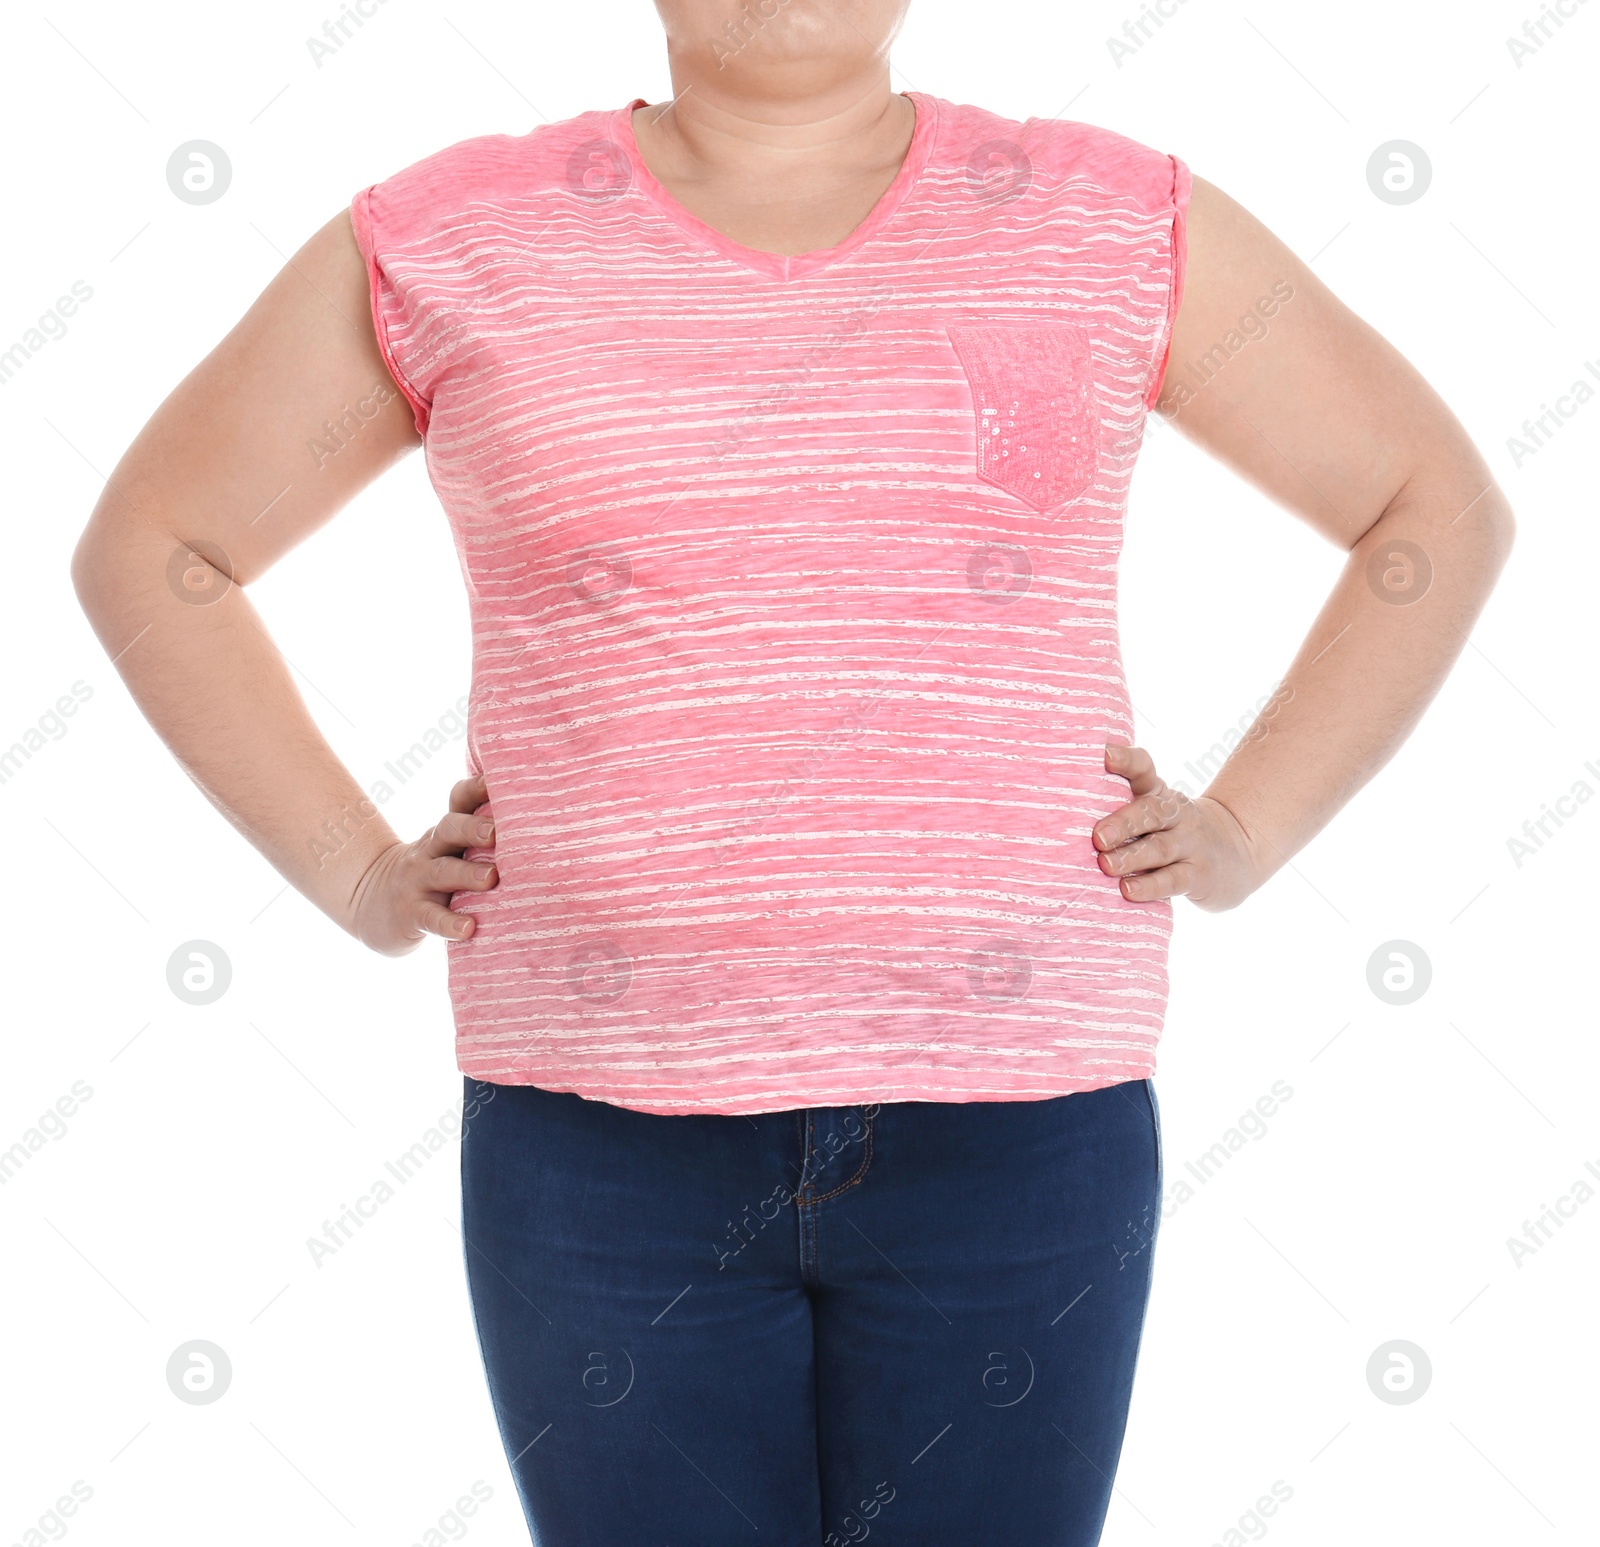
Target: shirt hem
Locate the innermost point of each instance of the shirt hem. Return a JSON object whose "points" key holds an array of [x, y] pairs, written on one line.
{"points": [[685, 1101]]}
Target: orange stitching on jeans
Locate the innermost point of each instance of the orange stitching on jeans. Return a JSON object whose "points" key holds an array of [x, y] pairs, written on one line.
{"points": [[866, 1160]]}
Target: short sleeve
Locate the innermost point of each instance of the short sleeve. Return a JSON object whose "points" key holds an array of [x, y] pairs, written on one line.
{"points": [[1182, 183], [388, 306]]}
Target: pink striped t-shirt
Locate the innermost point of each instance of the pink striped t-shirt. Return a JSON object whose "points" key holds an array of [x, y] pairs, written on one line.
{"points": [[793, 589]]}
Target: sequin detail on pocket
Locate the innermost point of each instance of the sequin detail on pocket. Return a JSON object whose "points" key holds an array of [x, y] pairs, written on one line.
{"points": [[1034, 407]]}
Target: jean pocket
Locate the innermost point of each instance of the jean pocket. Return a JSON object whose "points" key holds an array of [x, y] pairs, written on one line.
{"points": [[1035, 411]]}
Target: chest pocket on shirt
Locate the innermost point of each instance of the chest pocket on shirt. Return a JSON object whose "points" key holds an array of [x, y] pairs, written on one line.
{"points": [[1034, 408]]}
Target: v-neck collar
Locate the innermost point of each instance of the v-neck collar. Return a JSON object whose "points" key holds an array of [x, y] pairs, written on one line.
{"points": [[773, 264]]}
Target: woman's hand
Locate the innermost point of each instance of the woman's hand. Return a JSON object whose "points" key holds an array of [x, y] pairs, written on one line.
{"points": [[1163, 844], [405, 893]]}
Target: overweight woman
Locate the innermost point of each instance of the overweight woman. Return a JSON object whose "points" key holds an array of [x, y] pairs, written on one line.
{"points": [[806, 903]]}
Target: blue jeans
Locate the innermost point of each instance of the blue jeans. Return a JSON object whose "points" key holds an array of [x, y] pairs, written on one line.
{"points": [[917, 1321]]}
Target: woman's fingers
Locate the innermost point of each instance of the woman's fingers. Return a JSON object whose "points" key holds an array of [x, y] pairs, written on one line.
{"points": [[1176, 880], [1145, 844], [1161, 848], [1165, 844], [406, 891], [1135, 765], [457, 831], [448, 874], [1153, 807], [438, 920], [470, 793], [1147, 814], [443, 871]]}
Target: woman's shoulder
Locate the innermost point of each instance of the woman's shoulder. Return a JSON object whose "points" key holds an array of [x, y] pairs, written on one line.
{"points": [[493, 169], [1059, 151]]}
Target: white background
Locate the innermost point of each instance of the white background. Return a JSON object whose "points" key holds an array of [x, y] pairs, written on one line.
{"points": [[1377, 1206]]}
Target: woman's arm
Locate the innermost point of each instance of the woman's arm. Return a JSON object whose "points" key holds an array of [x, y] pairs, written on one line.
{"points": [[1329, 420], [233, 470]]}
